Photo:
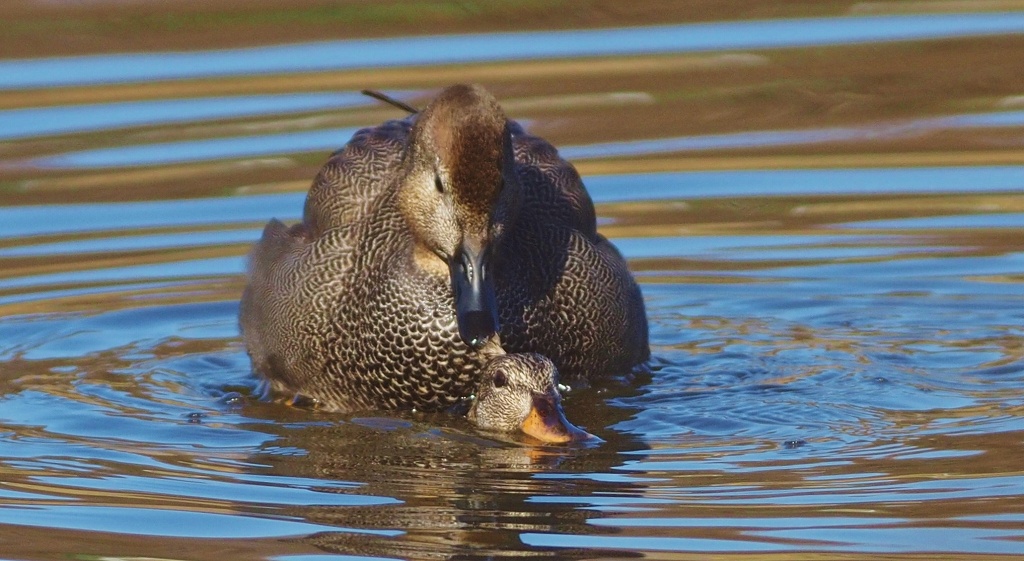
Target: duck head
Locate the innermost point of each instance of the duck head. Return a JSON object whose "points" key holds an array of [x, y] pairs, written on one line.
{"points": [[459, 192], [518, 392]]}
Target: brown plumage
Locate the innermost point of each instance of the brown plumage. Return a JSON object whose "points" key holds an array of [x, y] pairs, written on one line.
{"points": [[419, 239], [519, 392]]}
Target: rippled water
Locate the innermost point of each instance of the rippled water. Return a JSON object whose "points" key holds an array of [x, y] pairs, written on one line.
{"points": [[826, 216]]}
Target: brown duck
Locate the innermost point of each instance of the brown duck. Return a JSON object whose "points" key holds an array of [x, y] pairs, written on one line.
{"points": [[429, 246], [519, 392]]}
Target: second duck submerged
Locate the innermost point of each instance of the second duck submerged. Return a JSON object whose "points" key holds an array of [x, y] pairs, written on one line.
{"points": [[428, 246]]}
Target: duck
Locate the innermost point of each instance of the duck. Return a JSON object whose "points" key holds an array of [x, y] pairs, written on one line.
{"points": [[430, 245], [518, 393]]}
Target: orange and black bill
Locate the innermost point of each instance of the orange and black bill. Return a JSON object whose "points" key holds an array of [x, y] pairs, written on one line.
{"points": [[547, 423]]}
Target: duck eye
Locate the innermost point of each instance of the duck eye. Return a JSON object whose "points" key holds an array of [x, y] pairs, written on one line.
{"points": [[500, 379], [438, 185]]}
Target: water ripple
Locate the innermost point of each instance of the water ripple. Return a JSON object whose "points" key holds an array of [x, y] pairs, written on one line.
{"points": [[330, 139], [491, 47], [65, 119], [914, 128]]}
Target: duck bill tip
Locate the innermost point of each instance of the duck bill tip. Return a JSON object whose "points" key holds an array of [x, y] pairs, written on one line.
{"points": [[547, 423]]}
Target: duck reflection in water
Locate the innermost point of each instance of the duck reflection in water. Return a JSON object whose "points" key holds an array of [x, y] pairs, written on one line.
{"points": [[459, 495], [430, 246]]}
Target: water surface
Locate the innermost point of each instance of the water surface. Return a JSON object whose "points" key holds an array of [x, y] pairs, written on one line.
{"points": [[825, 213]]}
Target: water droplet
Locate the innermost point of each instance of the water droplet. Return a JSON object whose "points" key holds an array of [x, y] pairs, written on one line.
{"points": [[233, 399]]}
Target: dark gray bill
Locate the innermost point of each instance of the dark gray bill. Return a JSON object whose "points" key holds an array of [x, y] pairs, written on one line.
{"points": [[475, 306]]}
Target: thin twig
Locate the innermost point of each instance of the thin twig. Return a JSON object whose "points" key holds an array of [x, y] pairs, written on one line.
{"points": [[390, 100]]}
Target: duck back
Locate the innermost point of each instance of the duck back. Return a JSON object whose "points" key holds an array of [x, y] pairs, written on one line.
{"points": [[565, 291]]}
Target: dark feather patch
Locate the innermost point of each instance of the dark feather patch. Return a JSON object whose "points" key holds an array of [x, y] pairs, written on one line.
{"points": [[468, 128]]}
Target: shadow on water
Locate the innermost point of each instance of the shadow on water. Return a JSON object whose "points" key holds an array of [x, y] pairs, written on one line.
{"points": [[822, 205]]}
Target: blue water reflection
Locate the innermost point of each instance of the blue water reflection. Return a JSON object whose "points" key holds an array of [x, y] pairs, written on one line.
{"points": [[280, 492], [130, 243], [201, 150], [960, 221], [786, 182], [63, 119], [331, 139], [651, 543], [17, 222], [767, 248], [166, 522], [492, 47], [764, 139], [877, 540], [196, 269]]}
